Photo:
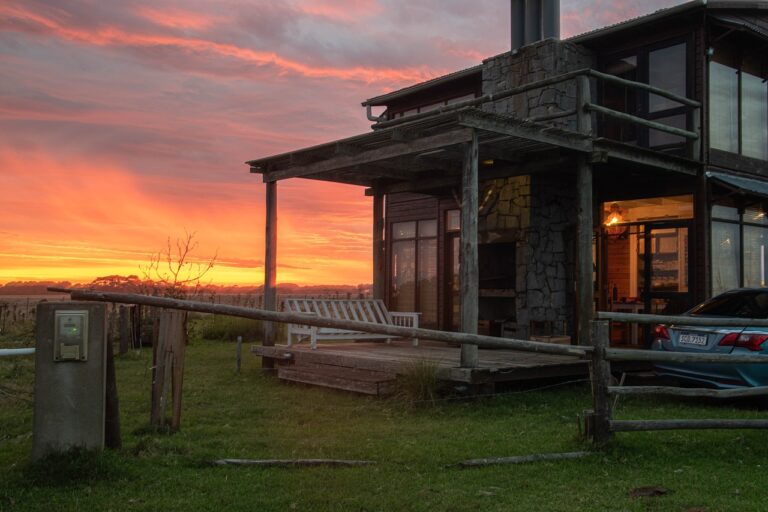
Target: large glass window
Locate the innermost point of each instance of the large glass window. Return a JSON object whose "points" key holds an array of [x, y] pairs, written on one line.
{"points": [[667, 70], [413, 282], [664, 66], [738, 100], [724, 107], [739, 248]]}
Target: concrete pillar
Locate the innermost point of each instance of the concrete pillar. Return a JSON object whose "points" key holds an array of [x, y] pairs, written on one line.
{"points": [[70, 375]]}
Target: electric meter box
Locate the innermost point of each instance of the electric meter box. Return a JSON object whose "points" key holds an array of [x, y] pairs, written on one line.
{"points": [[70, 335], [70, 376]]}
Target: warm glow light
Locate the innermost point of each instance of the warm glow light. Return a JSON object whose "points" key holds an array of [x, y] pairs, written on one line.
{"points": [[615, 216]]}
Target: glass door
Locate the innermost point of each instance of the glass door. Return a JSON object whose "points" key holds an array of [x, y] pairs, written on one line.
{"points": [[666, 271]]}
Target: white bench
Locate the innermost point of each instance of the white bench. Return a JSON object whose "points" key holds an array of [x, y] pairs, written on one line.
{"points": [[360, 310]]}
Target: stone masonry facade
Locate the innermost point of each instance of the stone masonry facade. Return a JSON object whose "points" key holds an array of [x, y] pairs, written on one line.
{"points": [[537, 212]]}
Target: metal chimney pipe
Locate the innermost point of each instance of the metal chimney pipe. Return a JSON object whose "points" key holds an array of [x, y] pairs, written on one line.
{"points": [[533, 21], [518, 24], [551, 21]]}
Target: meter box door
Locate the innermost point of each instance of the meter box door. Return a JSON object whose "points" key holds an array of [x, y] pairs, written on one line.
{"points": [[70, 335], [70, 376]]}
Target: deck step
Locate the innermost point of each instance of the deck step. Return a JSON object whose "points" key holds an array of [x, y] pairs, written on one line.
{"points": [[367, 382]]}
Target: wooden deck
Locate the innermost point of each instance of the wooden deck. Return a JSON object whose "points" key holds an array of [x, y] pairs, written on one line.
{"points": [[495, 366]]}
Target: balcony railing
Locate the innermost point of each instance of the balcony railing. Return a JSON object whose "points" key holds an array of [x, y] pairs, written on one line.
{"points": [[587, 110]]}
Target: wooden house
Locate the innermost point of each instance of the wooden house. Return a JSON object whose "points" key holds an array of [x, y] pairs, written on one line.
{"points": [[623, 169]]}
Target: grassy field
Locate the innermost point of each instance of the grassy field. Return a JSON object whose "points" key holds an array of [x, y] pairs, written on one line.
{"points": [[251, 415]]}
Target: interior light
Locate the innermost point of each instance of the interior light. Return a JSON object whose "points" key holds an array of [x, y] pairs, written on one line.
{"points": [[615, 216]]}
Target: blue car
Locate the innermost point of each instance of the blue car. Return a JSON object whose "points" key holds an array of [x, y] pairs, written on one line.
{"points": [[741, 303]]}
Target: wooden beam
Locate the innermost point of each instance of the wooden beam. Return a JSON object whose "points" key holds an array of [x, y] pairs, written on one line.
{"points": [[641, 121], [584, 284], [682, 320], [469, 279], [646, 425], [646, 157], [688, 392], [270, 267], [395, 331], [416, 185], [657, 356], [373, 155], [526, 130], [379, 285]]}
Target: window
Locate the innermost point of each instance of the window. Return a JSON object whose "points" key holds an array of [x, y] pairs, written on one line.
{"points": [[739, 248], [738, 101], [413, 282], [664, 66]]}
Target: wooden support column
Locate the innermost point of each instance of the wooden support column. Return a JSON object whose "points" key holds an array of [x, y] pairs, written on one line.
{"points": [[584, 184], [584, 285], [598, 421], [702, 220], [470, 276], [270, 268], [379, 274]]}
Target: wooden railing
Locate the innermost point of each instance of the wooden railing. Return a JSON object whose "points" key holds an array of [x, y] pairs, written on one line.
{"points": [[585, 106], [599, 421], [600, 424]]}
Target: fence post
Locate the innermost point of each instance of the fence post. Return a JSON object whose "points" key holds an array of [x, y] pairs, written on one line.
{"points": [[598, 420], [239, 352]]}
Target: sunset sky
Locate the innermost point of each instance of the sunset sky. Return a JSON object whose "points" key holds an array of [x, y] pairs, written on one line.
{"points": [[124, 122]]}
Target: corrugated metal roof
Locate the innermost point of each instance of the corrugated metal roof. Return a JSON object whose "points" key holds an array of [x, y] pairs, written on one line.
{"points": [[384, 98], [639, 20], [669, 11], [740, 184], [756, 25]]}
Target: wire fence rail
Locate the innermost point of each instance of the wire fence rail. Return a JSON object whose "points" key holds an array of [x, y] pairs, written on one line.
{"points": [[600, 424]]}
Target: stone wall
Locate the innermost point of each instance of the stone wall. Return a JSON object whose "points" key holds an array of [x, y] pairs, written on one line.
{"points": [[537, 212], [531, 63]]}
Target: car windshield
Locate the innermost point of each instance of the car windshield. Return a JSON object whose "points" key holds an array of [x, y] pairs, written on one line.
{"points": [[743, 304]]}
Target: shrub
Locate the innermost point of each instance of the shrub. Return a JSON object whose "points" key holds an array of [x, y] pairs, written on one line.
{"points": [[418, 384]]}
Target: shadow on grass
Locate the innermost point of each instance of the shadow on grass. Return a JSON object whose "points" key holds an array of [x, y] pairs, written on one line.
{"points": [[76, 466]]}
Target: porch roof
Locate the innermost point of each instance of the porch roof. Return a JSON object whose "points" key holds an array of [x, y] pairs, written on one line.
{"points": [[429, 150]]}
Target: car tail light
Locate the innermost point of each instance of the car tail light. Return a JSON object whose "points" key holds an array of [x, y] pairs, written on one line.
{"points": [[753, 342], [660, 332]]}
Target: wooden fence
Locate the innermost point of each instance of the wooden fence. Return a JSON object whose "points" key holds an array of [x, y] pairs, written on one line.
{"points": [[600, 423]]}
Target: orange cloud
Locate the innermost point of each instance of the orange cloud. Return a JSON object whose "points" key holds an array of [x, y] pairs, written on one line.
{"points": [[77, 220], [116, 37], [177, 18]]}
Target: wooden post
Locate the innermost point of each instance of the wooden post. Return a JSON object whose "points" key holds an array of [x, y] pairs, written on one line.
{"points": [[239, 355], [169, 368], [598, 421], [702, 226], [125, 329], [584, 284], [379, 285], [112, 437], [583, 98], [270, 268], [584, 281], [469, 279]]}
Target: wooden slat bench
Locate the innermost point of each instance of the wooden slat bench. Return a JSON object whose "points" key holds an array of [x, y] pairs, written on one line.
{"points": [[361, 310]]}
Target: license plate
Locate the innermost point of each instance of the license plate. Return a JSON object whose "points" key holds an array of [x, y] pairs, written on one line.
{"points": [[698, 340]]}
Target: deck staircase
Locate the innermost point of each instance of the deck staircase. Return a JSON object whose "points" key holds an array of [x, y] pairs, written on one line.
{"points": [[357, 380]]}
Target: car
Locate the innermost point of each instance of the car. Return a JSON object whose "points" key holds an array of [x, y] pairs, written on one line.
{"points": [[740, 303]]}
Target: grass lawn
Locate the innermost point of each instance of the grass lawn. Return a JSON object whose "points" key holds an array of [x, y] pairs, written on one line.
{"points": [[252, 415]]}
